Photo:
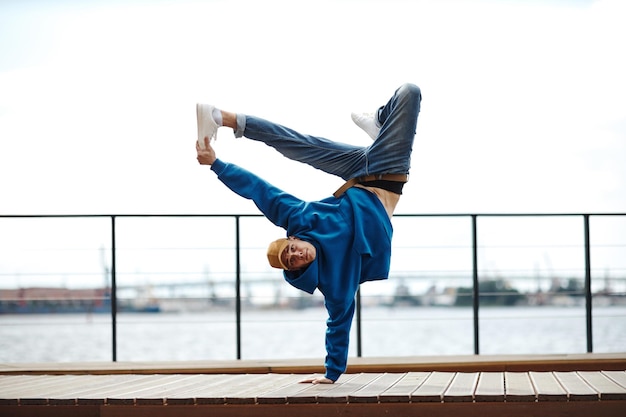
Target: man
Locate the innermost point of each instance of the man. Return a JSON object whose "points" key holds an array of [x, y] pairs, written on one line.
{"points": [[335, 244]]}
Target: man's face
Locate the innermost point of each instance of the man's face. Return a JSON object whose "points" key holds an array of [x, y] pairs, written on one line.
{"points": [[298, 254]]}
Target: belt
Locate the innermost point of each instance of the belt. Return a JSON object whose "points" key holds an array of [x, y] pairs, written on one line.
{"points": [[358, 180]]}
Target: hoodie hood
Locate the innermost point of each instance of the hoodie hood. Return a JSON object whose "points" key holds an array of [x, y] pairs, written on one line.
{"points": [[305, 279]]}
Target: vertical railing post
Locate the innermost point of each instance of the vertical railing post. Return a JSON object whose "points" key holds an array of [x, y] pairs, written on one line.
{"points": [[238, 284], [588, 296], [475, 287], [113, 292], [359, 349]]}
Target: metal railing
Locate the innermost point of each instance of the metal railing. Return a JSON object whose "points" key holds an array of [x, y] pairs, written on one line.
{"points": [[358, 316]]}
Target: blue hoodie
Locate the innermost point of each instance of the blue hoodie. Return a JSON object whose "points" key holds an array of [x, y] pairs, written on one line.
{"points": [[352, 237]]}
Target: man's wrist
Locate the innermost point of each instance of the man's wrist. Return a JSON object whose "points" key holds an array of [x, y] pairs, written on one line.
{"points": [[218, 166]]}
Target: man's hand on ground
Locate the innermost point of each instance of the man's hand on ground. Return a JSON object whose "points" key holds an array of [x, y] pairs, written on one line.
{"points": [[317, 380]]}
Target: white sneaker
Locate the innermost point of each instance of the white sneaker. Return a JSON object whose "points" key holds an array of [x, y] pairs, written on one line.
{"points": [[367, 122], [207, 128]]}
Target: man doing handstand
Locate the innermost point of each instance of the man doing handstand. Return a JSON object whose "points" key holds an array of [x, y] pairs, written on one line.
{"points": [[335, 244]]}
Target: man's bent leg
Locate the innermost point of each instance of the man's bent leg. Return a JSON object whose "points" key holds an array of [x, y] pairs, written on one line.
{"points": [[391, 152]]}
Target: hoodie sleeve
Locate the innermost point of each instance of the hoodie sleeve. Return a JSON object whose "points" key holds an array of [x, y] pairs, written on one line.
{"points": [[273, 202], [338, 337]]}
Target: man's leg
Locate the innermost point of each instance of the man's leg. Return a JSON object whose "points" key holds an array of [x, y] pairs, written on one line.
{"points": [[331, 157], [391, 151]]}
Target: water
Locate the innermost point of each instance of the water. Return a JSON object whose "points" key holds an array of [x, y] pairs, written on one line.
{"points": [[285, 334]]}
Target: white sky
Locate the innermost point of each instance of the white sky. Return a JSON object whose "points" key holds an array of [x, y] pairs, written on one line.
{"points": [[523, 103], [523, 107]]}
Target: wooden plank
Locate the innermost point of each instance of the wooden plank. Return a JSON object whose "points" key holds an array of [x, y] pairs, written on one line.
{"points": [[128, 394], [280, 395], [547, 387], [462, 388], [10, 392], [433, 388], [86, 384], [118, 386], [518, 387], [310, 395], [577, 389], [608, 389], [229, 384], [188, 382], [14, 382], [33, 385], [401, 391], [370, 393], [445, 363], [617, 376], [114, 386], [158, 393], [490, 387], [250, 393], [42, 388], [203, 388], [342, 392]]}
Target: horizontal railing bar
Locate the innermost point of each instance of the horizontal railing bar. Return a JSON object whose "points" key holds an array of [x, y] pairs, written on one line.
{"points": [[225, 248], [397, 273], [123, 215], [568, 214], [232, 297]]}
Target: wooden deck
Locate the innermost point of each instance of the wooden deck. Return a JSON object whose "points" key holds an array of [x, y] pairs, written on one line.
{"points": [[588, 393], [483, 393]]}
